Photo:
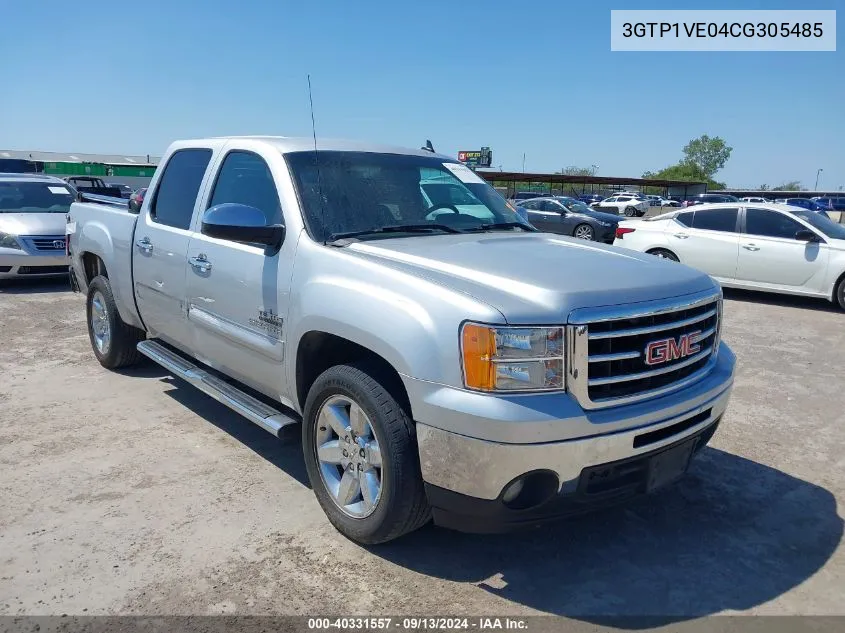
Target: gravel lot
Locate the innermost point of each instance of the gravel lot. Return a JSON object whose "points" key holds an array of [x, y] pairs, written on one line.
{"points": [[132, 493]]}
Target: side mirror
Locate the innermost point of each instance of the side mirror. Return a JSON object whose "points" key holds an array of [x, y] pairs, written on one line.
{"points": [[241, 223], [806, 235]]}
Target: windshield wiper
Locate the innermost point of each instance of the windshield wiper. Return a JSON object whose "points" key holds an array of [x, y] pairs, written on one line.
{"points": [[495, 226], [394, 228]]}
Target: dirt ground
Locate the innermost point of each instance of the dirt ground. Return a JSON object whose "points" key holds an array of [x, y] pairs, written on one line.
{"points": [[132, 493]]}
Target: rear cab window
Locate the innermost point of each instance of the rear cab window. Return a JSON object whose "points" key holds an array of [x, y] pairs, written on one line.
{"points": [[177, 191]]}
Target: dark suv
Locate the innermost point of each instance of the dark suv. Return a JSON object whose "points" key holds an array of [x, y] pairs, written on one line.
{"points": [[708, 198], [527, 195]]}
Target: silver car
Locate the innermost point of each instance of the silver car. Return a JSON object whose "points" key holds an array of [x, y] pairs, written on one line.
{"points": [[33, 208]]}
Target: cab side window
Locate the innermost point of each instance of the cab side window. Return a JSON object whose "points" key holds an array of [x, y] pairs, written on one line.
{"points": [[770, 224], [245, 178], [178, 188]]}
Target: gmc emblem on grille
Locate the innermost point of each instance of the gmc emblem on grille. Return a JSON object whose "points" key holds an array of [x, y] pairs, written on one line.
{"points": [[57, 244], [669, 349]]}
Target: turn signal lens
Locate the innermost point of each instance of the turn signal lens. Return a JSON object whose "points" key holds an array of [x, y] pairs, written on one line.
{"points": [[479, 347], [512, 358]]}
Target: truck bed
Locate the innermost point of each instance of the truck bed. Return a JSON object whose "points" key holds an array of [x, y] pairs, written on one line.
{"points": [[105, 229]]}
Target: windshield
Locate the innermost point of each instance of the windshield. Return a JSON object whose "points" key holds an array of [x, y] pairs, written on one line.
{"points": [[576, 206], [364, 191], [34, 197], [823, 224]]}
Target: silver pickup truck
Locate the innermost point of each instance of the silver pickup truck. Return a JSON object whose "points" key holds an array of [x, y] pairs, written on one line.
{"points": [[444, 359]]}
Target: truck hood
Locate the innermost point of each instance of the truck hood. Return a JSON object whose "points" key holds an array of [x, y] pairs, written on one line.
{"points": [[536, 277], [33, 223]]}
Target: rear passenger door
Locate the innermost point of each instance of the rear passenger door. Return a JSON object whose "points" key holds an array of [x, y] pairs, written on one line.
{"points": [[708, 240], [238, 294], [161, 246]]}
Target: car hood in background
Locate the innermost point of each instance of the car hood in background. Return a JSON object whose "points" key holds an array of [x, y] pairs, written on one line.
{"points": [[33, 223], [535, 277], [597, 215]]}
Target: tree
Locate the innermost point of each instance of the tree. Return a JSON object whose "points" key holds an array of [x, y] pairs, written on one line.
{"points": [[572, 170], [792, 185], [686, 172], [708, 154]]}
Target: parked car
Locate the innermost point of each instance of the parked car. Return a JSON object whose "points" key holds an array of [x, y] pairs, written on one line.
{"points": [[770, 247], [406, 348], [568, 216], [754, 199], [831, 204], [125, 190], [93, 185], [804, 203], [519, 196], [137, 199], [625, 204], [32, 225], [709, 198], [590, 198]]}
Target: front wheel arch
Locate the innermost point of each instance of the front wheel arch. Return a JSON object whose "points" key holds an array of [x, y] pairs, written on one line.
{"points": [[838, 295]]}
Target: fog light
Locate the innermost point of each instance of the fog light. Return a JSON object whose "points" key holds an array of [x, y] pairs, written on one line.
{"points": [[513, 490]]}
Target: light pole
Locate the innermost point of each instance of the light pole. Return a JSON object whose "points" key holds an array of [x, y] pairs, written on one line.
{"points": [[820, 170]]}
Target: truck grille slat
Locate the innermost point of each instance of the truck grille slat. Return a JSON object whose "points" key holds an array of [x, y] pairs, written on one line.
{"points": [[653, 328], [618, 359]]}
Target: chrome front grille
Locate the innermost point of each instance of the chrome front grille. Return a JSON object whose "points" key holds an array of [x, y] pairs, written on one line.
{"points": [[632, 353], [47, 243]]}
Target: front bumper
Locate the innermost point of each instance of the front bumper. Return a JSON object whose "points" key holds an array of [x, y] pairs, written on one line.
{"points": [[21, 265], [473, 446], [596, 487]]}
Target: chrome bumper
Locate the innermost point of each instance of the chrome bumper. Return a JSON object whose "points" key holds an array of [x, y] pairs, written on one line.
{"points": [[10, 264], [463, 462]]}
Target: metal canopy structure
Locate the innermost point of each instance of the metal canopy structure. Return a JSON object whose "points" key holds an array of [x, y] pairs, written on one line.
{"points": [[513, 180]]}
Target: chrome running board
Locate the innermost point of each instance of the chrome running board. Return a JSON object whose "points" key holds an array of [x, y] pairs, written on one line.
{"points": [[257, 412]]}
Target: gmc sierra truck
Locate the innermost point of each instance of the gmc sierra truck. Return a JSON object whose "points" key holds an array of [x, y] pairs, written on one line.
{"points": [[441, 363]]}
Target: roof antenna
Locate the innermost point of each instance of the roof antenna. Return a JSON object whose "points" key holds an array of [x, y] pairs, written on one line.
{"points": [[428, 147], [317, 165]]}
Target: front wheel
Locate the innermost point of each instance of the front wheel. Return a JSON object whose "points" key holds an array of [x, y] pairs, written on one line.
{"points": [[839, 294], [662, 253], [583, 232], [630, 212], [361, 456]]}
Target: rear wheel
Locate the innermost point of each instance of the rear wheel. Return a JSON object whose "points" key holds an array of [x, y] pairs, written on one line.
{"points": [[662, 253], [630, 212], [361, 456], [114, 343], [583, 232]]}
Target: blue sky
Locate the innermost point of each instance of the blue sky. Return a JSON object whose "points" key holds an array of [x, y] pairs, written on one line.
{"points": [[534, 77]]}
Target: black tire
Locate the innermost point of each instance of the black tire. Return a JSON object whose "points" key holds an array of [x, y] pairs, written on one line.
{"points": [[402, 506], [630, 212], [839, 294], [664, 254], [122, 347], [588, 232]]}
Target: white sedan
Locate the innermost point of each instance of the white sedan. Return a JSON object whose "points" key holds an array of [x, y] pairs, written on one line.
{"points": [[628, 204], [771, 247]]}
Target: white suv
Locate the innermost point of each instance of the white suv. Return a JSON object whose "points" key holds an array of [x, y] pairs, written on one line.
{"points": [[626, 204]]}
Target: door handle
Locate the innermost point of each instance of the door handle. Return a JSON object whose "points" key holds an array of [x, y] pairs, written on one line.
{"points": [[681, 236], [200, 263], [750, 247], [145, 245]]}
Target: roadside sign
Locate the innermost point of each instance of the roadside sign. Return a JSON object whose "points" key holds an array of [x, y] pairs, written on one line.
{"points": [[476, 158]]}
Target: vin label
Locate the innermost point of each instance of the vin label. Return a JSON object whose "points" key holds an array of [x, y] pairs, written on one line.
{"points": [[747, 30]]}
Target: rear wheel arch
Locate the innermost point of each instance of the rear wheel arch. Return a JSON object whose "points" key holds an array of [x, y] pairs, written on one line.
{"points": [[93, 266], [838, 295]]}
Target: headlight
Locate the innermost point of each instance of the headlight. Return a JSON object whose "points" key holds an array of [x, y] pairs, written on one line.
{"points": [[9, 241], [512, 358]]}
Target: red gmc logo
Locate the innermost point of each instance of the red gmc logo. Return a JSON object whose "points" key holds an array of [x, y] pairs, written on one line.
{"points": [[668, 349]]}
